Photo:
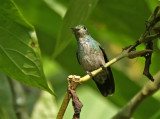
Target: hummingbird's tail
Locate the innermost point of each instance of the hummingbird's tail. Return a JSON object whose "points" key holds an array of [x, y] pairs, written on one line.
{"points": [[105, 82]]}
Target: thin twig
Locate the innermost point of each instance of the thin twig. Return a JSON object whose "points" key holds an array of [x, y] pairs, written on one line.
{"points": [[64, 105], [150, 88]]}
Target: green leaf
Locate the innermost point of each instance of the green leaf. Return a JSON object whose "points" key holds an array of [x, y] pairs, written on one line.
{"points": [[77, 13], [19, 50], [47, 21]]}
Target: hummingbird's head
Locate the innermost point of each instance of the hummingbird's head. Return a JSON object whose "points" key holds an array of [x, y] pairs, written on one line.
{"points": [[80, 31]]}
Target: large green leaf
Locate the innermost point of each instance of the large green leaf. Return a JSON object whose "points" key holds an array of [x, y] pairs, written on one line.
{"points": [[77, 13], [19, 50], [47, 21]]}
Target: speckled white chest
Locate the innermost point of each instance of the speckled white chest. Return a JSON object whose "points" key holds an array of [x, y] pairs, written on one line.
{"points": [[90, 57]]}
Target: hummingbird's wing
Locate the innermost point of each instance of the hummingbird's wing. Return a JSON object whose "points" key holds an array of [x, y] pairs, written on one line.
{"points": [[78, 57], [104, 54], [109, 83]]}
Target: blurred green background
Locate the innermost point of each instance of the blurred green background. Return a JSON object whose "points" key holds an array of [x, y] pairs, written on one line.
{"points": [[113, 23]]}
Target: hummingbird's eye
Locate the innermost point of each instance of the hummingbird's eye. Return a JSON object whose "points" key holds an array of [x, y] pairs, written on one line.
{"points": [[84, 28]]}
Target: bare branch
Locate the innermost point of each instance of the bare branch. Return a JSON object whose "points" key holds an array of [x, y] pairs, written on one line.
{"points": [[150, 88]]}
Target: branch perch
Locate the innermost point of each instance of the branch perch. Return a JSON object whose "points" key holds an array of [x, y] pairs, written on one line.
{"points": [[150, 88], [129, 51]]}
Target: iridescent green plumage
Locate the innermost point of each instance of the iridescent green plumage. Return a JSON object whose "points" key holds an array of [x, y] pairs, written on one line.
{"points": [[91, 56]]}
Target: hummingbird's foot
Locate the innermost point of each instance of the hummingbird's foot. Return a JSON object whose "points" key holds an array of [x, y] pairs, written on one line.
{"points": [[102, 66], [89, 73]]}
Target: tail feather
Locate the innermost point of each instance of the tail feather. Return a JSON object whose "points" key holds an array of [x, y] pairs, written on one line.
{"points": [[105, 82]]}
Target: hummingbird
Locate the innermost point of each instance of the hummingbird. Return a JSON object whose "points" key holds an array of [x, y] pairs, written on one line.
{"points": [[92, 56]]}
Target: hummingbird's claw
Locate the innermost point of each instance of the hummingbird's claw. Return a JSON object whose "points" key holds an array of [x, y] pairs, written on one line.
{"points": [[89, 73], [102, 66]]}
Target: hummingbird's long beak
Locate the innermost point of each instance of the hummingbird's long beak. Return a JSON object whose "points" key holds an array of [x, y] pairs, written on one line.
{"points": [[74, 29]]}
